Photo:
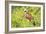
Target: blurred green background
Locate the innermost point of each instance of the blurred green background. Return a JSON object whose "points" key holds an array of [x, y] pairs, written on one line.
{"points": [[18, 21]]}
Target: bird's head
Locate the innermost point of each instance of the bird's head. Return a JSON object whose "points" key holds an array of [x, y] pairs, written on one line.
{"points": [[26, 11]]}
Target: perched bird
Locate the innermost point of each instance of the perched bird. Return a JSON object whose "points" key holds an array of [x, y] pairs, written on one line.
{"points": [[27, 15]]}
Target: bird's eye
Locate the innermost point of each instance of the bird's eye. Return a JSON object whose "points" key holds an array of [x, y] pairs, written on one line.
{"points": [[24, 11]]}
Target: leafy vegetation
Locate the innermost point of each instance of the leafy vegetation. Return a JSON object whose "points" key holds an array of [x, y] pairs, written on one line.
{"points": [[18, 21]]}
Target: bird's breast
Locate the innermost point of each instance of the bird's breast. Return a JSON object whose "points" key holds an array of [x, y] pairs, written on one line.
{"points": [[29, 17]]}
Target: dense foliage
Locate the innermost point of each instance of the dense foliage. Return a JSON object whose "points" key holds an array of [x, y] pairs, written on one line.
{"points": [[18, 21]]}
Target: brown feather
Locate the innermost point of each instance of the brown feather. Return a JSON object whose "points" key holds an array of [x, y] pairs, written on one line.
{"points": [[29, 17]]}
